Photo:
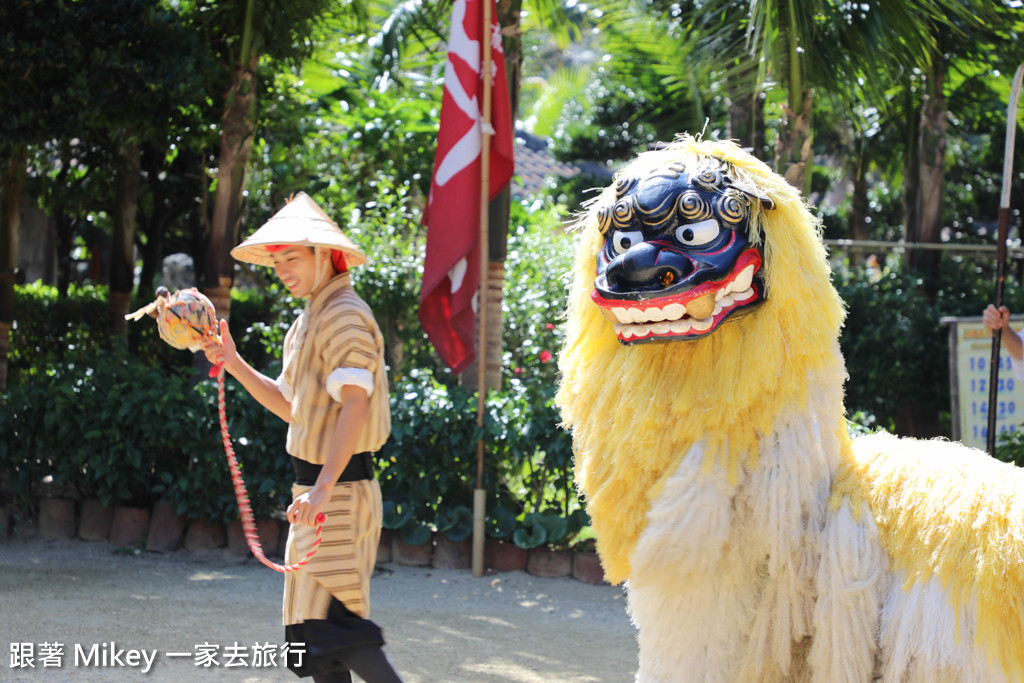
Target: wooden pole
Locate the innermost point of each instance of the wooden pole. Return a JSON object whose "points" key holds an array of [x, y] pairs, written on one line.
{"points": [[1001, 235], [486, 131]]}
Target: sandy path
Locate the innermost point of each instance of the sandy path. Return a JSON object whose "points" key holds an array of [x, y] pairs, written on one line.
{"points": [[441, 625]]}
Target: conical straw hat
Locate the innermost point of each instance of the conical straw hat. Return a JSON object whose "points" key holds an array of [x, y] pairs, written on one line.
{"points": [[300, 221]]}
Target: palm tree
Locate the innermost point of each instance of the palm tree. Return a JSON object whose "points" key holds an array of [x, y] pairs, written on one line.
{"points": [[10, 221], [961, 43], [800, 48]]}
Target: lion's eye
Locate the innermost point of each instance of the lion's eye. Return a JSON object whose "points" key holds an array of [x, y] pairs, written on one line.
{"points": [[698, 234], [622, 240]]}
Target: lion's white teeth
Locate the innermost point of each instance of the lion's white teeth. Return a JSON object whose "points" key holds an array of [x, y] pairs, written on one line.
{"points": [[680, 326], [630, 331], [674, 311], [743, 280], [649, 315], [740, 284], [637, 316], [624, 315], [744, 296], [654, 314], [642, 322]]}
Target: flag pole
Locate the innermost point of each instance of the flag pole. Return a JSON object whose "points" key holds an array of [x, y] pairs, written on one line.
{"points": [[486, 131], [1001, 235]]}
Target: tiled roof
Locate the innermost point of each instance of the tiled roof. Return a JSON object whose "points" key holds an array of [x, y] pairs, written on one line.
{"points": [[534, 165]]}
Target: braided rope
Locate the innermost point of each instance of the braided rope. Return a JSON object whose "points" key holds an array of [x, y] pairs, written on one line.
{"points": [[245, 510], [175, 308]]}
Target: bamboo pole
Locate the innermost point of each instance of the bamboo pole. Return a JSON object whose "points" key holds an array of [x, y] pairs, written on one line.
{"points": [[1001, 234], [486, 131]]}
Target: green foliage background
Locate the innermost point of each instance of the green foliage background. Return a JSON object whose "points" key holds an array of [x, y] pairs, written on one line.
{"points": [[351, 116]]}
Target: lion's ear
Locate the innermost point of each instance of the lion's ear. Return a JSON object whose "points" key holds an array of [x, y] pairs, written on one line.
{"points": [[750, 189]]}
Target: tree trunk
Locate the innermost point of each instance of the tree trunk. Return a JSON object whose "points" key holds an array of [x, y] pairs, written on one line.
{"points": [[795, 142], [512, 41], [746, 112], [759, 137], [152, 224], [741, 118], [912, 177], [236, 145], [65, 229], [857, 220], [64, 226], [934, 123], [122, 253], [10, 225]]}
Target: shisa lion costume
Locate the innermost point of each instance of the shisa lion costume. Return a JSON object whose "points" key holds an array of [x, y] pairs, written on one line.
{"points": [[703, 383]]}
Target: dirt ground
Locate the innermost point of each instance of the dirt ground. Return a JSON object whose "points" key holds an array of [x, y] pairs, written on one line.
{"points": [[441, 625]]}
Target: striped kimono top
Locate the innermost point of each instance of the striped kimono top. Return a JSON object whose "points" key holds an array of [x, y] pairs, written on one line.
{"points": [[334, 341]]}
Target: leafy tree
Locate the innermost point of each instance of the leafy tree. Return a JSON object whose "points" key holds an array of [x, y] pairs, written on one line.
{"points": [[241, 33], [104, 73], [960, 43]]}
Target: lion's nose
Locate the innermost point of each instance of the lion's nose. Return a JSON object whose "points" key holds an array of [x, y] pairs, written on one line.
{"points": [[646, 267]]}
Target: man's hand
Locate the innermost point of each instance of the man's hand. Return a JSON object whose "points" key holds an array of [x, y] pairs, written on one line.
{"points": [[305, 508], [996, 319], [220, 349]]}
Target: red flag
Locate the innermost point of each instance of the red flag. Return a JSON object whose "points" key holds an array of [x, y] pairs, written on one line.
{"points": [[451, 273]]}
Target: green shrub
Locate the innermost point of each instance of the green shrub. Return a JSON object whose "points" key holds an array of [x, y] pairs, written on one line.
{"points": [[1010, 448], [119, 430], [895, 349], [97, 422], [893, 344], [428, 466]]}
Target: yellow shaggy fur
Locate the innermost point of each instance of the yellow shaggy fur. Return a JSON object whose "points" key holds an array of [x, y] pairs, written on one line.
{"points": [[758, 541], [629, 434], [931, 501]]}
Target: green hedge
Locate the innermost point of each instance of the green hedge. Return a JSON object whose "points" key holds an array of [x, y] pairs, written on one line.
{"points": [[136, 422], [116, 429]]}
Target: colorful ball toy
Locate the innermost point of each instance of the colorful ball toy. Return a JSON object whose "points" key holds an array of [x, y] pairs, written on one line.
{"points": [[182, 318]]}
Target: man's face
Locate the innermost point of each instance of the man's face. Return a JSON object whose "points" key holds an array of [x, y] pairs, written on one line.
{"points": [[295, 266]]}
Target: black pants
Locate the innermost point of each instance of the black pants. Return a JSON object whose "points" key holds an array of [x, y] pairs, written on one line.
{"points": [[330, 643]]}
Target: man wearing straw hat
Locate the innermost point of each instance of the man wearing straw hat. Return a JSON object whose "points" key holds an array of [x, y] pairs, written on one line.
{"points": [[333, 393]]}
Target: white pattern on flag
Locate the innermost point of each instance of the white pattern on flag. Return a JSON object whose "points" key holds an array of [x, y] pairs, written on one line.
{"points": [[452, 268]]}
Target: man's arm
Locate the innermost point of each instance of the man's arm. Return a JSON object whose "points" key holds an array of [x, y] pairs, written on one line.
{"points": [[999, 319], [262, 388], [355, 410]]}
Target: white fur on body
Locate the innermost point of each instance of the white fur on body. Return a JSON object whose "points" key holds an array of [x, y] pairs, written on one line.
{"points": [[763, 580]]}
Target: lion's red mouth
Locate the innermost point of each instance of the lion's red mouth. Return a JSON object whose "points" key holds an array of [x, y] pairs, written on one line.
{"points": [[692, 313]]}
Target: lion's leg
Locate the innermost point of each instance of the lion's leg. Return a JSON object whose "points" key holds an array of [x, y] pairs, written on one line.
{"points": [[849, 583], [688, 596], [690, 637], [924, 639]]}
